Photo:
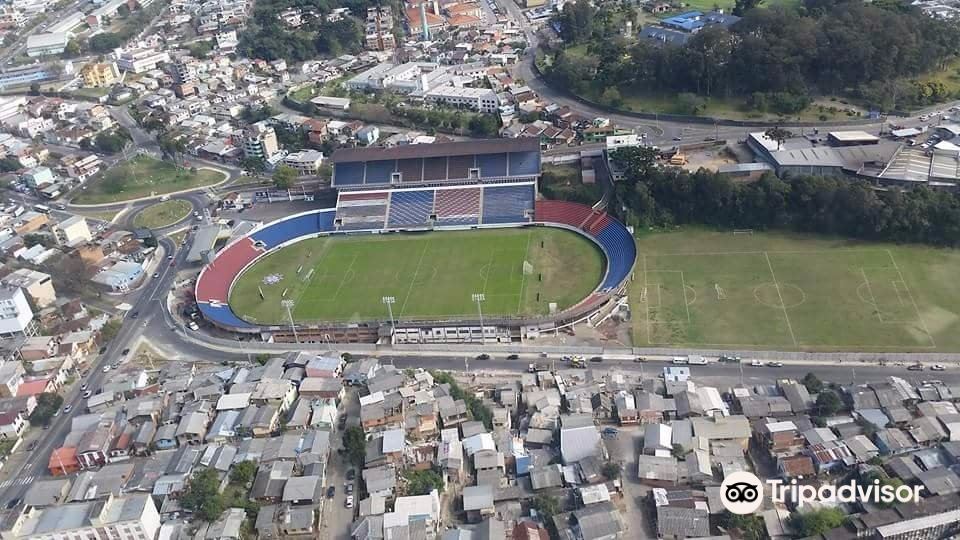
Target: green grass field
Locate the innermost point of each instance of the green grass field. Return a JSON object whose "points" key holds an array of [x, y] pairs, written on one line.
{"points": [[431, 275], [164, 214], [143, 177], [764, 290]]}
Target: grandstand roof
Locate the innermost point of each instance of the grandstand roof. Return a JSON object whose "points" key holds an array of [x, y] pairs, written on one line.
{"points": [[487, 146]]}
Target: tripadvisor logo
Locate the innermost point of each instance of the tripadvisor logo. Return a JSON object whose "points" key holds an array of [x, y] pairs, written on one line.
{"points": [[742, 493]]}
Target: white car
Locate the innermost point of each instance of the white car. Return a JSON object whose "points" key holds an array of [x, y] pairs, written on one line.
{"points": [[106, 369], [756, 363], [349, 502], [938, 367], [87, 394]]}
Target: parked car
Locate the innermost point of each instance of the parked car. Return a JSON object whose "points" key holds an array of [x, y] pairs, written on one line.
{"points": [[124, 352], [351, 474], [596, 359], [106, 369], [756, 363], [331, 491], [14, 503], [349, 502], [915, 367], [513, 356], [87, 394], [774, 364], [938, 367], [67, 409], [483, 356]]}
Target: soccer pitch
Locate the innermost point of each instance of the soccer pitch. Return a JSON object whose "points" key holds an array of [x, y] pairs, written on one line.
{"points": [[763, 290], [429, 275]]}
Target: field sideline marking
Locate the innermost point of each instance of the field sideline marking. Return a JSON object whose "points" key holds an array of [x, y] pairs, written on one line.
{"points": [[647, 303], [923, 323], [523, 275], [686, 305], [784, 252], [413, 280], [783, 305], [343, 280], [872, 296]]}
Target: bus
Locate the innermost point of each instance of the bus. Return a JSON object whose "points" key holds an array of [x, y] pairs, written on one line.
{"points": [[42, 208]]}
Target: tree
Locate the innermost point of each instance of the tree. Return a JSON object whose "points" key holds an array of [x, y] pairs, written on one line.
{"points": [[284, 177], [48, 404], [44, 240], [73, 48], [817, 522], [105, 42], [355, 445], [751, 526], [253, 165], [828, 403], [422, 482], [243, 472], [110, 143], [200, 49], [813, 384], [546, 505], [778, 134], [202, 495], [611, 470], [109, 331], [172, 146], [35, 88], [742, 6]]}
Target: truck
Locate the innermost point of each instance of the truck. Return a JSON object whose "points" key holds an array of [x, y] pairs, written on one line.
{"points": [[539, 366]]}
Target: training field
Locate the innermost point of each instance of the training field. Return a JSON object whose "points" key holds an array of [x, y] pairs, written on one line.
{"points": [[430, 275], [764, 290]]}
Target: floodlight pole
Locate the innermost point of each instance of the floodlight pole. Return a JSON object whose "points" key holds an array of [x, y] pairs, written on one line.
{"points": [[389, 301], [289, 304], [478, 298]]}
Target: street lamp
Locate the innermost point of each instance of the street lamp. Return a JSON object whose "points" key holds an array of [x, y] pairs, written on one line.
{"points": [[389, 301], [478, 298], [289, 305]]}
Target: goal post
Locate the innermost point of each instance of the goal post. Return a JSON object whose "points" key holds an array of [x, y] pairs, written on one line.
{"points": [[527, 268]]}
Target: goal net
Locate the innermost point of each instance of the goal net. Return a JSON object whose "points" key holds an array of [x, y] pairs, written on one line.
{"points": [[527, 268]]}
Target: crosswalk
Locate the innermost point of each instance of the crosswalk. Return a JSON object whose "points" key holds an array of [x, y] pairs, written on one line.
{"points": [[17, 482]]}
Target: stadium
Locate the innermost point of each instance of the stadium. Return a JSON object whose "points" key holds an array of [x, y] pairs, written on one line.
{"points": [[427, 243]]}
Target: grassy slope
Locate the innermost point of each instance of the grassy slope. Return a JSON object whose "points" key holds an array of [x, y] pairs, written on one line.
{"points": [[430, 275], [162, 214], [144, 177], [839, 294]]}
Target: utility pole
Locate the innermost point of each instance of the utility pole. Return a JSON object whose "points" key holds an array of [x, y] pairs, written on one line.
{"points": [[478, 298], [389, 301], [289, 305], [740, 364]]}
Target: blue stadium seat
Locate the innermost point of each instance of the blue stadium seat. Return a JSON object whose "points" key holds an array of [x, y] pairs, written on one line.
{"points": [[348, 174], [507, 204], [378, 172], [410, 208], [522, 163], [221, 314], [279, 232], [621, 253], [492, 165]]}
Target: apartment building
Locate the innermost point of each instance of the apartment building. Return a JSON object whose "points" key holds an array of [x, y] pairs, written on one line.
{"points": [[99, 74], [260, 141], [130, 517], [37, 285], [16, 316], [141, 61], [306, 162]]}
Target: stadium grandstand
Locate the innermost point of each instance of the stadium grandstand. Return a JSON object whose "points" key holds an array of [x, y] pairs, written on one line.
{"points": [[452, 186]]}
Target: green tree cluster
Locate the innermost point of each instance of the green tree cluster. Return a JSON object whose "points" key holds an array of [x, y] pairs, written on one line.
{"points": [[817, 522], [778, 57], [202, 495], [48, 404], [355, 445], [423, 482], [655, 196], [284, 177]]}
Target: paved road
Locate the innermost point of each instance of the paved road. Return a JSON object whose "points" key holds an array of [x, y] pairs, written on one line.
{"points": [[146, 303]]}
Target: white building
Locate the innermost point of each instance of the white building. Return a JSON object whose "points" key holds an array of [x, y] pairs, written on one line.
{"points": [[16, 317], [49, 43], [260, 141], [10, 106], [72, 231], [141, 61], [38, 285], [478, 99], [306, 162], [132, 517]]}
